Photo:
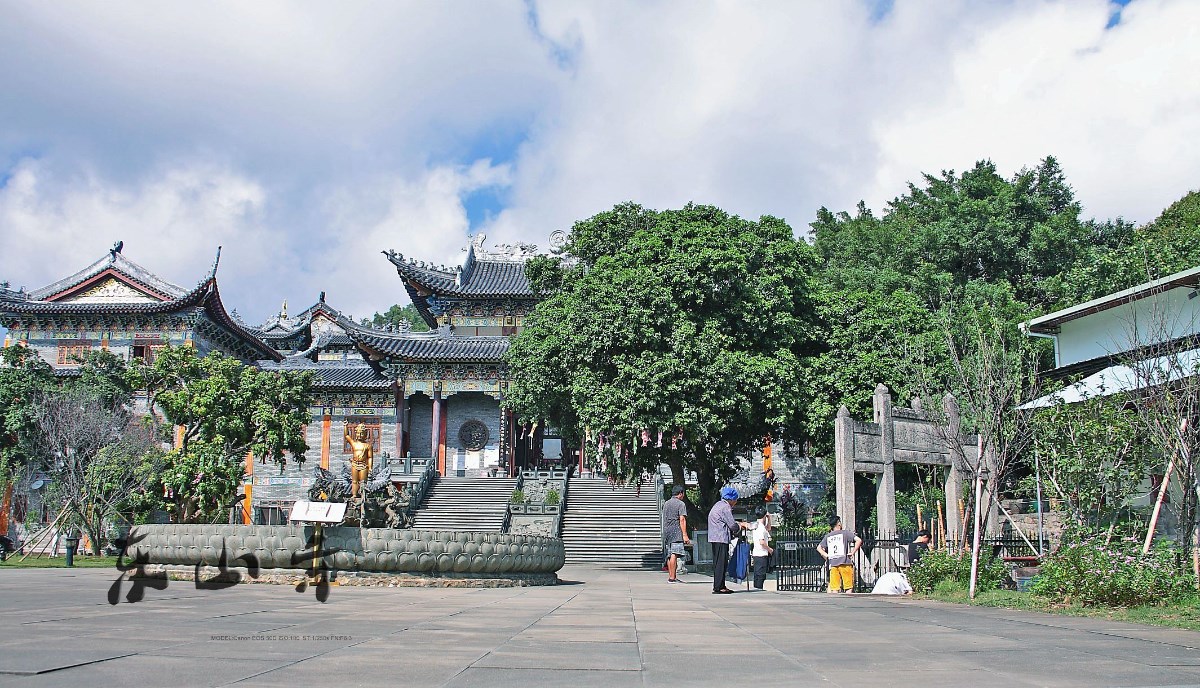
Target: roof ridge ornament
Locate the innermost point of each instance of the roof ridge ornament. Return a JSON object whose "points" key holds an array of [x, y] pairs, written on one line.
{"points": [[212, 275], [116, 248]]}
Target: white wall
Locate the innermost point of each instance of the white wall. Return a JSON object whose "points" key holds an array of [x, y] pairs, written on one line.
{"points": [[1154, 319]]}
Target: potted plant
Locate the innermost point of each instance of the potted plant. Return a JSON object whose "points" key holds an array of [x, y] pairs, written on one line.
{"points": [[516, 503], [552, 504]]}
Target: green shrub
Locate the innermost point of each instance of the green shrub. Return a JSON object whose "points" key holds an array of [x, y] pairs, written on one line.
{"points": [[940, 567], [518, 497], [1091, 572], [552, 497]]}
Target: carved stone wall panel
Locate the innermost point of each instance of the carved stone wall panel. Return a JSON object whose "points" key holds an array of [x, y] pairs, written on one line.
{"points": [[924, 458], [525, 524], [866, 447], [916, 434]]}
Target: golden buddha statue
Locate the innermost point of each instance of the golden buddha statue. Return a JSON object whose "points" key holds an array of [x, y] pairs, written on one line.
{"points": [[360, 459]]}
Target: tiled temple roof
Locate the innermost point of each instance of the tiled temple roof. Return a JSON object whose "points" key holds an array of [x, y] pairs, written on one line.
{"points": [[354, 374], [478, 278], [205, 295], [283, 327], [439, 345], [117, 263], [481, 275]]}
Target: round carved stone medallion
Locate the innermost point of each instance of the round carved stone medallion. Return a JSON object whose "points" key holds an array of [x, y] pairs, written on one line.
{"points": [[473, 435]]}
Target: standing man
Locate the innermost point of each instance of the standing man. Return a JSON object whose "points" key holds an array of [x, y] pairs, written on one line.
{"points": [[674, 525], [918, 547], [839, 547], [761, 551], [721, 528]]}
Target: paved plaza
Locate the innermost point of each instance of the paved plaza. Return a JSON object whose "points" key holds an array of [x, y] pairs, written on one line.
{"points": [[603, 628]]}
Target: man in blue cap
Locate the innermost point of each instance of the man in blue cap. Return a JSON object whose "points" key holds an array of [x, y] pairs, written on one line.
{"points": [[721, 528]]}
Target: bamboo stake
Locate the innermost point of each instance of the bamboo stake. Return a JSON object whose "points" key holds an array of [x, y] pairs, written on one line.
{"points": [[45, 532], [920, 520], [1158, 502], [962, 533], [941, 533]]}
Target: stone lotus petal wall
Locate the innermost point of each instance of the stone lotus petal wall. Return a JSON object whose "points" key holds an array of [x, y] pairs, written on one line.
{"points": [[380, 550]]}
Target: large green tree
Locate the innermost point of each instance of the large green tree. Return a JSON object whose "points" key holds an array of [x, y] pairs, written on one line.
{"points": [[225, 410], [23, 378], [689, 324], [897, 288]]}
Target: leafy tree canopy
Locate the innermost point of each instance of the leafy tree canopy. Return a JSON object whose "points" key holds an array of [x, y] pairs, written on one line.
{"points": [[692, 323], [23, 377], [398, 314], [957, 254], [1126, 256], [959, 228], [225, 410]]}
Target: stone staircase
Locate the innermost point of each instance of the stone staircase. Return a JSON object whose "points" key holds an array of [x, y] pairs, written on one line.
{"points": [[612, 527], [475, 504]]}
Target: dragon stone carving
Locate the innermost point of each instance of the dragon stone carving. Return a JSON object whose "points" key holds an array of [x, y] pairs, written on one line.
{"points": [[379, 504]]}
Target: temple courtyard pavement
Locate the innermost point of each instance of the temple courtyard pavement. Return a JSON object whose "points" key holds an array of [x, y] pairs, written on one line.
{"points": [[602, 628]]}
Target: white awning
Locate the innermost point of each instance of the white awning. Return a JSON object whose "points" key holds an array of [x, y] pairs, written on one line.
{"points": [[1123, 378]]}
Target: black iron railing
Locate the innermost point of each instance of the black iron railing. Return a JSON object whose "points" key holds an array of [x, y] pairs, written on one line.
{"points": [[799, 567]]}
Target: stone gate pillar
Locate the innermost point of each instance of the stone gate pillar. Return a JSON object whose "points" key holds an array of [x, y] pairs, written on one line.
{"points": [[991, 496], [954, 476], [953, 490], [843, 448], [885, 489]]}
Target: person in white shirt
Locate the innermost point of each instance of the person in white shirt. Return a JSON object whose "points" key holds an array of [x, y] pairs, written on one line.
{"points": [[892, 584], [760, 550]]}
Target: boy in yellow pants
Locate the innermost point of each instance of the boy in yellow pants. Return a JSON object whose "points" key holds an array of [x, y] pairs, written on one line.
{"points": [[838, 547]]}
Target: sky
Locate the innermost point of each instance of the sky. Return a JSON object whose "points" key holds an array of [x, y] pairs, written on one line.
{"points": [[307, 137]]}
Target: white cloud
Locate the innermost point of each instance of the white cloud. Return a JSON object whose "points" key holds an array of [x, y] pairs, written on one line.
{"points": [[309, 137], [781, 109], [173, 221], [1116, 107], [422, 218]]}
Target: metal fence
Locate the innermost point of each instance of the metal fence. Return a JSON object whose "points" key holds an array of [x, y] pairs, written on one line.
{"points": [[800, 568]]}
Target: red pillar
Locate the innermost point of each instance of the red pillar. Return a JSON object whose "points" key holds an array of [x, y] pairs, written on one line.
{"points": [[436, 432], [400, 403], [326, 428]]}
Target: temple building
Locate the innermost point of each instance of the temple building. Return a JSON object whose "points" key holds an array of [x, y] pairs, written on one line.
{"points": [[423, 396], [426, 396], [116, 305]]}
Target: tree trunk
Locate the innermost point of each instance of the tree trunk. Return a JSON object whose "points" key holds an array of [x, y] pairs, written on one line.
{"points": [[678, 477], [709, 489], [94, 535]]}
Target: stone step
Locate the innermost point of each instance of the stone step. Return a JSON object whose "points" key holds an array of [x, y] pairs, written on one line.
{"points": [[614, 527], [473, 504]]}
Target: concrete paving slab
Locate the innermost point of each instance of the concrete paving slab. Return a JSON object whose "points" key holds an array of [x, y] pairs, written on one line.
{"points": [[144, 670], [519, 654], [523, 678], [50, 655], [614, 628]]}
